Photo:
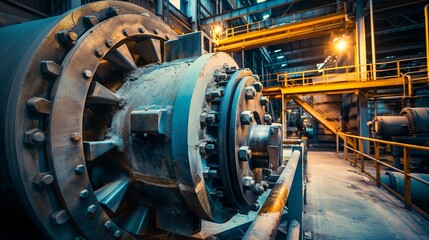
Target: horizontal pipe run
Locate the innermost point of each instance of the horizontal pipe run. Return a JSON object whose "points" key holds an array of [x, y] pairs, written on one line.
{"points": [[293, 230], [267, 221]]}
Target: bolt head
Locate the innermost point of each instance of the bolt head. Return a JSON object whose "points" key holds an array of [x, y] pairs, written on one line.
{"points": [[264, 101], [108, 225], [38, 137], [155, 31], [99, 52], [249, 92], [258, 189], [256, 76], [255, 207], [71, 36], [90, 21], [220, 76], [84, 194], [212, 94], [80, 169], [47, 179], [258, 86], [203, 118], [117, 234], [109, 43], [75, 137], [91, 209], [210, 148], [34, 136], [126, 32], [248, 182], [211, 118], [141, 30], [167, 37], [87, 74], [246, 117], [244, 153], [113, 11], [267, 118], [213, 173]]}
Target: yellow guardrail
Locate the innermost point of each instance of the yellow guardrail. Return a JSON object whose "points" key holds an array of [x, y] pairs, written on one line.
{"points": [[359, 155], [307, 14], [351, 73]]}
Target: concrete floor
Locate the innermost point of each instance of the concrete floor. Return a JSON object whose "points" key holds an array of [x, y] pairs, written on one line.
{"points": [[342, 203]]}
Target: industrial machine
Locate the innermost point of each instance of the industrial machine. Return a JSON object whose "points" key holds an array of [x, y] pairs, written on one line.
{"points": [[112, 127], [410, 127]]}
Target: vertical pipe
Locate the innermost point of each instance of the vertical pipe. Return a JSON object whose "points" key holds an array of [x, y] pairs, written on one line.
{"points": [[407, 178], [284, 117], [362, 162], [374, 68], [377, 163], [427, 36], [160, 8]]}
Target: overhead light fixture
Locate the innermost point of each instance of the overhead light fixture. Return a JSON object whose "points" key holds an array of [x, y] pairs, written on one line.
{"points": [[283, 65], [280, 57], [266, 16], [218, 29], [341, 43], [277, 50]]}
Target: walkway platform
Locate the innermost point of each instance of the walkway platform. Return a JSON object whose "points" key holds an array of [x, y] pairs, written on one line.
{"points": [[343, 203]]}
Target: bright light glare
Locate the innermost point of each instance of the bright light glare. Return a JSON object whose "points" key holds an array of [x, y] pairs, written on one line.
{"points": [[218, 29], [341, 45], [277, 50], [266, 16], [259, 1], [283, 65], [280, 57]]}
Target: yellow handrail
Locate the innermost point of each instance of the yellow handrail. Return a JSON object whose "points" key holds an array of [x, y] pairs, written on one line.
{"points": [[267, 23], [361, 155]]}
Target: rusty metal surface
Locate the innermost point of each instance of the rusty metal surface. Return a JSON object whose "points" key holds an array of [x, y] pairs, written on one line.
{"points": [[101, 140], [266, 223]]}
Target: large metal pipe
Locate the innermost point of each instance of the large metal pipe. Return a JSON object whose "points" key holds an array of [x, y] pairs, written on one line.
{"points": [[267, 221], [419, 190]]}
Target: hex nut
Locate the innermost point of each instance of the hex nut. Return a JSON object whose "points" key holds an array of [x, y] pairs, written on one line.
{"points": [[43, 179], [91, 209], [99, 52], [84, 194], [256, 76], [258, 86], [90, 21], [267, 118], [258, 189], [109, 43], [87, 73], [108, 225], [126, 32], [246, 117], [244, 153], [248, 182], [255, 207], [211, 118], [112, 12], [264, 101], [249, 92], [117, 233], [212, 94], [34, 136], [80, 169], [203, 118], [75, 137]]}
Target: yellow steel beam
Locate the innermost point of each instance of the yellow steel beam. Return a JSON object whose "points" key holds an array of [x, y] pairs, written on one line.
{"points": [[332, 87], [284, 33]]}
